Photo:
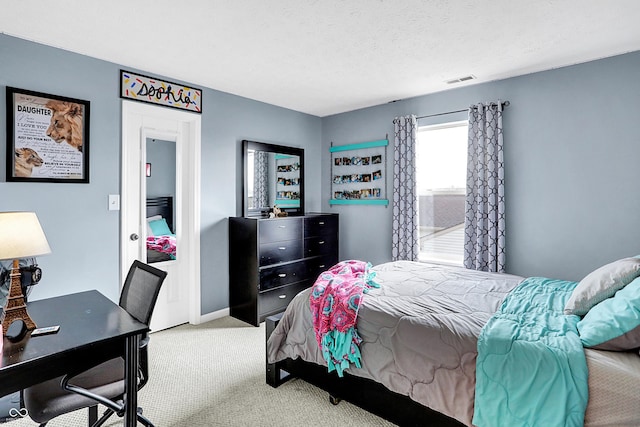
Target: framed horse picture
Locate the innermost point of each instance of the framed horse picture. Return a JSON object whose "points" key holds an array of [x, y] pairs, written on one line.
{"points": [[47, 137]]}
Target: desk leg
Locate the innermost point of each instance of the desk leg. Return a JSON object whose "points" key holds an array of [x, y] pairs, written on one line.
{"points": [[131, 381]]}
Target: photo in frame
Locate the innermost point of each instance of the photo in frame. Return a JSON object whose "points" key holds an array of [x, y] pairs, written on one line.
{"points": [[47, 137]]}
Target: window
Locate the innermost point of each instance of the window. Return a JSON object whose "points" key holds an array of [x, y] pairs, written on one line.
{"points": [[441, 175]]}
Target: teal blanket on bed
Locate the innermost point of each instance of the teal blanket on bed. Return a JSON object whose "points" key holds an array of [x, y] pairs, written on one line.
{"points": [[531, 369]]}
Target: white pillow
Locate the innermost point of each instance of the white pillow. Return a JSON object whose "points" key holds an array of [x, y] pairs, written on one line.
{"points": [[601, 284]]}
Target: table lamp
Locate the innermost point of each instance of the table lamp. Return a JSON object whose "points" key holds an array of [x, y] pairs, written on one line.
{"points": [[21, 236]]}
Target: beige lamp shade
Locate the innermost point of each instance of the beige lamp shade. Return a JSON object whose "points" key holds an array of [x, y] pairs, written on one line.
{"points": [[21, 236]]}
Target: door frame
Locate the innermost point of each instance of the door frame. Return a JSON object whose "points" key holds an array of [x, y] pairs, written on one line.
{"points": [[191, 167]]}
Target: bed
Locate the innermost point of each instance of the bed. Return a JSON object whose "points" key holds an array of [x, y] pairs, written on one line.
{"points": [[421, 331], [161, 238]]}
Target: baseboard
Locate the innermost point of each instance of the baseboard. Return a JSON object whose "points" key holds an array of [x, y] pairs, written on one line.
{"points": [[214, 315]]}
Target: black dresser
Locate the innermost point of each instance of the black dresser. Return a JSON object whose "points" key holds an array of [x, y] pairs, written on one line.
{"points": [[272, 260]]}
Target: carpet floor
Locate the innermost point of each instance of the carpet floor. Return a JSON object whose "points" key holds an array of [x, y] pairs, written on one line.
{"points": [[213, 374]]}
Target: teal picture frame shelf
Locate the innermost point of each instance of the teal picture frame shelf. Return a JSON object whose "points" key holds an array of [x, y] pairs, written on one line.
{"points": [[383, 202], [286, 203], [359, 146]]}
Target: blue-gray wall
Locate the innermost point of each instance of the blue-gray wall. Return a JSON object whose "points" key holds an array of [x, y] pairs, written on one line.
{"points": [[571, 156], [162, 157], [572, 150], [83, 234]]}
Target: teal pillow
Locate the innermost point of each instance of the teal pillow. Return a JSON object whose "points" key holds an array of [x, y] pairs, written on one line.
{"points": [[159, 227], [614, 324]]}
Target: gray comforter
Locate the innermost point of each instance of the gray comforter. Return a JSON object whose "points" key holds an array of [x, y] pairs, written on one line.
{"points": [[419, 332]]}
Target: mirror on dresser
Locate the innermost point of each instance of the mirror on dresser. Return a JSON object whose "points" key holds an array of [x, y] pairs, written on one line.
{"points": [[273, 176]]}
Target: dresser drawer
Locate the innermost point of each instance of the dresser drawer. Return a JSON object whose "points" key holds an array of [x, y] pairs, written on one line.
{"points": [[274, 253], [315, 246], [317, 265], [320, 226], [280, 275], [276, 230], [276, 300]]}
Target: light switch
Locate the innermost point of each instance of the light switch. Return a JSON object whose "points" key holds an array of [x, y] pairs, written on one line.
{"points": [[114, 202]]}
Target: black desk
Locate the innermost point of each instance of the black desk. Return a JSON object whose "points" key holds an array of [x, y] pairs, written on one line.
{"points": [[93, 329]]}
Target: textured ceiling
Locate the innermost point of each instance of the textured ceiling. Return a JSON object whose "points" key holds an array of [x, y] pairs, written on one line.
{"points": [[324, 57]]}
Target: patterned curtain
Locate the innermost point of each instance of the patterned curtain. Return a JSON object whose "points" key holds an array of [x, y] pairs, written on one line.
{"points": [[405, 199], [261, 179], [484, 216]]}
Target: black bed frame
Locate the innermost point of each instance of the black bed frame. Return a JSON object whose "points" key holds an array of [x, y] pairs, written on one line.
{"points": [[362, 392], [161, 206]]}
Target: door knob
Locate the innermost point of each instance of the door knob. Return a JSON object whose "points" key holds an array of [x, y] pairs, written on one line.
{"points": [[134, 236]]}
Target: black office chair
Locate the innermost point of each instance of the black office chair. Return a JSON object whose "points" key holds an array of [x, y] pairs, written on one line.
{"points": [[103, 383]]}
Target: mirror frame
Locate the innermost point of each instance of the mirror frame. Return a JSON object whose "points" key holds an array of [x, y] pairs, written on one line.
{"points": [[273, 148]]}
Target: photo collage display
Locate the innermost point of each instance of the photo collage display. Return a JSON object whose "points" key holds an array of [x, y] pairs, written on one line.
{"points": [[357, 177], [288, 179]]}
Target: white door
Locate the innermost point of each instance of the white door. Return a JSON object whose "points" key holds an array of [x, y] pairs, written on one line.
{"points": [[179, 299]]}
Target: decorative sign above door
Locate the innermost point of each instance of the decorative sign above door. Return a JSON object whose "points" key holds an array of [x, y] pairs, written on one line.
{"points": [[161, 92]]}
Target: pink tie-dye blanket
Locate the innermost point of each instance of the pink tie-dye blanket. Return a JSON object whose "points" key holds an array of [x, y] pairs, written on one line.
{"points": [[334, 301], [164, 244]]}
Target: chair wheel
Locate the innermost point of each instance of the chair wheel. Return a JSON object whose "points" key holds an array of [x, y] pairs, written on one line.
{"points": [[334, 400]]}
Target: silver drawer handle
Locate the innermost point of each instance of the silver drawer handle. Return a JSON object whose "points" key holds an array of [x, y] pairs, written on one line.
{"points": [[282, 248], [321, 266], [282, 226], [282, 275], [282, 296], [321, 223], [321, 242]]}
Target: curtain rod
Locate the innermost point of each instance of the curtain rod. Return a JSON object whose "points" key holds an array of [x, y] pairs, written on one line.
{"points": [[504, 103]]}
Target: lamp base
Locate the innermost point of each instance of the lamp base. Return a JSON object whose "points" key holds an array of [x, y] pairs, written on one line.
{"points": [[16, 308]]}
